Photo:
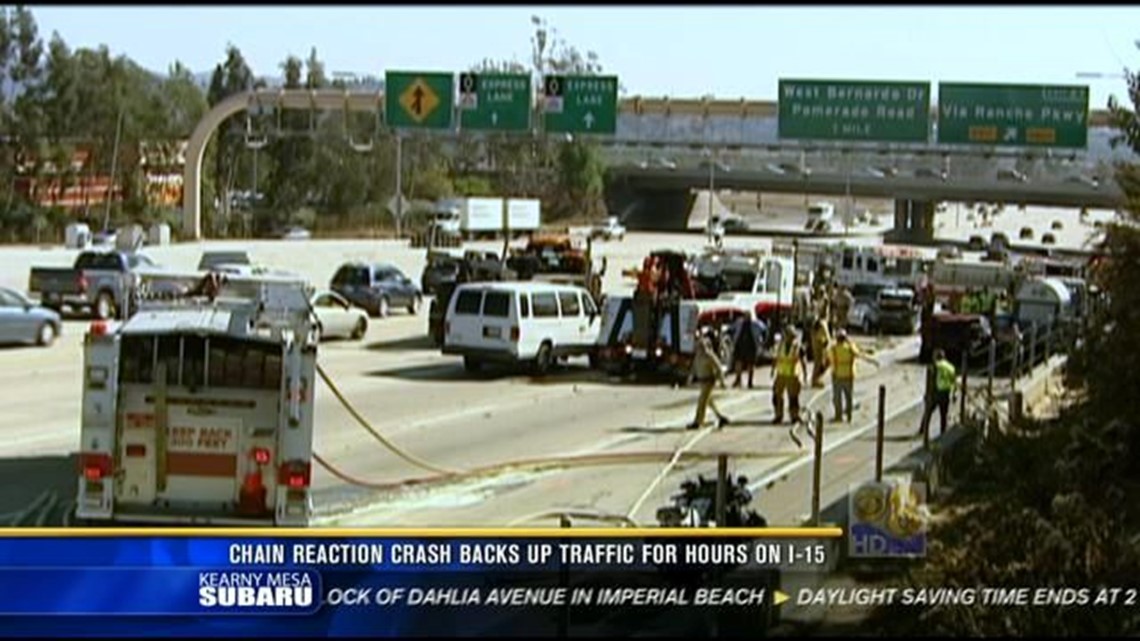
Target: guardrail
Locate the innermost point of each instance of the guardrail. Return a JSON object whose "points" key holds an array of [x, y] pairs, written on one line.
{"points": [[1014, 360]]}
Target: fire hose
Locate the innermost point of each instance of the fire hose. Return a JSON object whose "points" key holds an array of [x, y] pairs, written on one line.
{"points": [[443, 475]]}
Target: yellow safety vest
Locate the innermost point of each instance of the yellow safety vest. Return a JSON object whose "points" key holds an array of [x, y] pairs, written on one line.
{"points": [[787, 359], [946, 376], [843, 360]]}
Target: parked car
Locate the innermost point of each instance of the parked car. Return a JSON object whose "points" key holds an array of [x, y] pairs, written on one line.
{"points": [[534, 323], [22, 321], [296, 233], [376, 288], [1057, 225], [1048, 238], [664, 163], [976, 244], [1026, 233], [336, 317]]}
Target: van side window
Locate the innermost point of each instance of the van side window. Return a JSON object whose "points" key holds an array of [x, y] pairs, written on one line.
{"points": [[469, 302], [545, 306], [524, 306], [848, 260], [872, 264], [570, 306], [497, 304]]}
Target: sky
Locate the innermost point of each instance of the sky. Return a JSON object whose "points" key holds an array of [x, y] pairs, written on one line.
{"points": [[681, 52]]}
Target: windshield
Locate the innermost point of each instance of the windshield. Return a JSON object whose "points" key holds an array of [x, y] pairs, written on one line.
{"points": [[223, 258]]}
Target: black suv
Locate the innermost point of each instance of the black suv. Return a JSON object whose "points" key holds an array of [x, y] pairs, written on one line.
{"points": [[376, 288]]}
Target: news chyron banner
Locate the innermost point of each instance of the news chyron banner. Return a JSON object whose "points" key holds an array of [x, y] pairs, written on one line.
{"points": [[273, 583]]}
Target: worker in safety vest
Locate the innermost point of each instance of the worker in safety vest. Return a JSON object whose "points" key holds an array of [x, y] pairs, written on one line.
{"points": [[941, 381], [843, 355], [820, 344], [708, 371], [788, 367]]}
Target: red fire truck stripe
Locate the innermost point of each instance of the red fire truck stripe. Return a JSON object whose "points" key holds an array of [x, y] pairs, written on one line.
{"points": [[196, 464]]}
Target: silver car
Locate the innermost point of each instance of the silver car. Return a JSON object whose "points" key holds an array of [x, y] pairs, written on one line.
{"points": [[22, 321]]}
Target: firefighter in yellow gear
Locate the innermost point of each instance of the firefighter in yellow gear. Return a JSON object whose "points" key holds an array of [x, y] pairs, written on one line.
{"points": [[788, 368], [843, 356], [708, 371], [820, 344]]}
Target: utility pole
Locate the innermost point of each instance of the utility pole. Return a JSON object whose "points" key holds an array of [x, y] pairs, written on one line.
{"points": [[399, 184], [114, 171]]}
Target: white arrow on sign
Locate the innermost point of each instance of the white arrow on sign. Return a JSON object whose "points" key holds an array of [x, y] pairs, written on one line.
{"points": [[589, 119], [494, 117], [1010, 134]]}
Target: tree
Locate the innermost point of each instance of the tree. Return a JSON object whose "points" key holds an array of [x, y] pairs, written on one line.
{"points": [[524, 166], [1108, 358], [230, 77]]}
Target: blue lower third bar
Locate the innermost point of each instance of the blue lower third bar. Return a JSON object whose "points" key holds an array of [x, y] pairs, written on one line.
{"points": [[157, 591]]}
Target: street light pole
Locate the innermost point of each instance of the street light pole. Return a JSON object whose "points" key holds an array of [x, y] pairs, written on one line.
{"points": [[399, 184], [847, 195]]}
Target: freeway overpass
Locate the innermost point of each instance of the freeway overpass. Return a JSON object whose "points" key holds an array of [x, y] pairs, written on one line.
{"points": [[661, 198]]}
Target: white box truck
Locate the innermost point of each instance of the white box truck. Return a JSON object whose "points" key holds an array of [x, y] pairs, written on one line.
{"points": [[480, 217], [524, 215]]}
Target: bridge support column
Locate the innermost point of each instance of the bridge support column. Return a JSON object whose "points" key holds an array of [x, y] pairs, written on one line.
{"points": [[914, 221]]}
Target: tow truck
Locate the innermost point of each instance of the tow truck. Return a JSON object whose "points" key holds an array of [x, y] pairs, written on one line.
{"points": [[652, 331], [198, 409]]}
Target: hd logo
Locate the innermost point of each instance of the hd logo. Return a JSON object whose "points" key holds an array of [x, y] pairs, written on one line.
{"points": [[258, 591]]}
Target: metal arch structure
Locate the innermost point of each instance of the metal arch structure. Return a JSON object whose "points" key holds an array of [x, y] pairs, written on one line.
{"points": [[299, 99]]}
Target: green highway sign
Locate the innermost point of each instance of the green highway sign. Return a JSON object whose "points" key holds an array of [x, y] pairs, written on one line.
{"points": [[854, 110], [418, 100], [1013, 115], [497, 102], [580, 104]]}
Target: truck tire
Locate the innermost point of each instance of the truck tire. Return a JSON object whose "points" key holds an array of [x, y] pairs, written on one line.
{"points": [[104, 308], [544, 359]]}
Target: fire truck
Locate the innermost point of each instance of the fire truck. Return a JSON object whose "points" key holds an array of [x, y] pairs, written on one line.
{"points": [[198, 409]]}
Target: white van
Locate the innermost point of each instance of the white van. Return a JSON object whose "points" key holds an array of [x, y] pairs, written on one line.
{"points": [[519, 322]]}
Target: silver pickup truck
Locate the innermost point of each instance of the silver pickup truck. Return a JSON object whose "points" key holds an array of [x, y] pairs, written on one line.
{"points": [[98, 283]]}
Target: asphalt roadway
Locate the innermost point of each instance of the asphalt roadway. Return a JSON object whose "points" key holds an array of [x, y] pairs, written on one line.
{"points": [[431, 408]]}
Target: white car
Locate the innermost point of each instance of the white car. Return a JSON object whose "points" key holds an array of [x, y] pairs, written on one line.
{"points": [[512, 322], [337, 319], [296, 233]]}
